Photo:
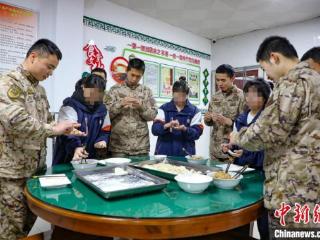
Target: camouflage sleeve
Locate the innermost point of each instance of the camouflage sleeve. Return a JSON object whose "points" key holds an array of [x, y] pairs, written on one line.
{"points": [[113, 104], [50, 115], [276, 121], [148, 110], [210, 109], [14, 117]]}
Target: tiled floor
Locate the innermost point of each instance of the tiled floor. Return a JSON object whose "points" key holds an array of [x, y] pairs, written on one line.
{"points": [[43, 226]]}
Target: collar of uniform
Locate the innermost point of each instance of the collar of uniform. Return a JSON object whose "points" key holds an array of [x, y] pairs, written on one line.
{"points": [[231, 90], [130, 86], [294, 73], [28, 75]]}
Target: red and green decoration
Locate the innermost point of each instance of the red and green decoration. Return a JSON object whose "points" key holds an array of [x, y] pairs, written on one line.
{"points": [[118, 69], [94, 55], [205, 91]]}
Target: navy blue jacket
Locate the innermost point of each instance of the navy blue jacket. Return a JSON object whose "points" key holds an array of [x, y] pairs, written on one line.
{"points": [[254, 159], [98, 128], [171, 143]]}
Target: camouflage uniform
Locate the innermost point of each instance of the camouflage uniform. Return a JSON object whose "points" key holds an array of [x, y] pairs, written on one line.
{"points": [[130, 133], [228, 104], [289, 131], [49, 118], [23, 130]]}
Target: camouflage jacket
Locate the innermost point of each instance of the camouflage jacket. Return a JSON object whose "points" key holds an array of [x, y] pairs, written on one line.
{"points": [[130, 133], [230, 105], [289, 131], [23, 124]]}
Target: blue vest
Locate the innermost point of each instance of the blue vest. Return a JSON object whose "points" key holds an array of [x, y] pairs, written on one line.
{"points": [[65, 145], [254, 159], [171, 143]]}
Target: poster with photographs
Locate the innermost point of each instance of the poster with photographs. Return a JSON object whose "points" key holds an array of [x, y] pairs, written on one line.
{"points": [[194, 85], [151, 77], [179, 72], [166, 81]]}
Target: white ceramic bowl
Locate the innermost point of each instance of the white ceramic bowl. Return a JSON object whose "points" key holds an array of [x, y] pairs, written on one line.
{"points": [[226, 183], [193, 183], [89, 163], [201, 161], [160, 157], [115, 161]]}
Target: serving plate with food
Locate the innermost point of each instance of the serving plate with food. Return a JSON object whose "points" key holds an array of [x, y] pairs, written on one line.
{"points": [[170, 168]]}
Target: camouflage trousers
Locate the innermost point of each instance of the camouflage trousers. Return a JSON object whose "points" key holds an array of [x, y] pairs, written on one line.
{"points": [[16, 220]]}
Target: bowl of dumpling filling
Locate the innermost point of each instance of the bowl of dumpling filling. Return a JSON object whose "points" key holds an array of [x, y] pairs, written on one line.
{"points": [[225, 180], [195, 159], [84, 163]]}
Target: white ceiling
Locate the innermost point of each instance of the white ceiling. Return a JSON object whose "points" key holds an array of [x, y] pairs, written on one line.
{"points": [[216, 19]]}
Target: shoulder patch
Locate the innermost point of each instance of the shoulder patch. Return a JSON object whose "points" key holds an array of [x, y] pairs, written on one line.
{"points": [[14, 92]]}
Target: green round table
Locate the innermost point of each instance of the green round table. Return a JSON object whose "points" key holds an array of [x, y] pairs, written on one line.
{"points": [[170, 213]]}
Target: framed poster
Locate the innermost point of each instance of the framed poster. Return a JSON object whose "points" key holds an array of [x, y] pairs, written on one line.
{"points": [[179, 72], [166, 81], [151, 77], [194, 85]]}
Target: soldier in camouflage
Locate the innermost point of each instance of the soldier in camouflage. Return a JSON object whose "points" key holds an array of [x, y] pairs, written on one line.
{"points": [[289, 132], [24, 128], [224, 107], [131, 106], [312, 56]]}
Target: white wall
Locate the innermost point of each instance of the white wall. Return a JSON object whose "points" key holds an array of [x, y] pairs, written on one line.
{"points": [[241, 50], [123, 17], [126, 18], [61, 21]]}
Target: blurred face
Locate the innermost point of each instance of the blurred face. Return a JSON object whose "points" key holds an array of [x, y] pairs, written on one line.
{"points": [[224, 82], [41, 67], [180, 98], [253, 99], [314, 65], [92, 95], [133, 76]]}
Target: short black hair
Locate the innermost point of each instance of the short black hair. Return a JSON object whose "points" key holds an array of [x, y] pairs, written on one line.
{"points": [[45, 47], [101, 70], [136, 63], [313, 53], [181, 85], [263, 88], [227, 69], [275, 44], [92, 81]]}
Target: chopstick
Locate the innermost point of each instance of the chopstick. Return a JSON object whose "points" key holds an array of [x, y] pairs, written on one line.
{"points": [[87, 133], [230, 161], [183, 149], [240, 172], [50, 175]]}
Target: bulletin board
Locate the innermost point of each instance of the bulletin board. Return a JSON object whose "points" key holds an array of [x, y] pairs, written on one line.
{"points": [[18, 31], [109, 46]]}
